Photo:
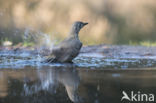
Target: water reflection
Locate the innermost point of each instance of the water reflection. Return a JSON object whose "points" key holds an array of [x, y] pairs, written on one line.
{"points": [[30, 82], [72, 85]]}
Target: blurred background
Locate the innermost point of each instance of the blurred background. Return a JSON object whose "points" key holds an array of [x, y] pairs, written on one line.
{"points": [[110, 21]]}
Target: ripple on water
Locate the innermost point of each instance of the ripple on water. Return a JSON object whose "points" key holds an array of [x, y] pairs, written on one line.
{"points": [[10, 59]]}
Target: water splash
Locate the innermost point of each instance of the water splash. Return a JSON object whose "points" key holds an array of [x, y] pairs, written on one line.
{"points": [[45, 82], [42, 40]]}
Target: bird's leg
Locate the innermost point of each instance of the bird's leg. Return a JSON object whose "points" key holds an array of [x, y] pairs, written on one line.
{"points": [[52, 60], [71, 62]]}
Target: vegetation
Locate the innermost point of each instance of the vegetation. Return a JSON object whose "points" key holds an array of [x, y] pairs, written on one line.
{"points": [[110, 22], [143, 43]]}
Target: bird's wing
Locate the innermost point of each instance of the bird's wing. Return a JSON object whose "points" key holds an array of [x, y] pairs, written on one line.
{"points": [[64, 47], [55, 55], [66, 50], [61, 51]]}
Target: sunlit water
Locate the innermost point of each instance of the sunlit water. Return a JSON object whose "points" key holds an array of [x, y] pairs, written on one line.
{"points": [[18, 59], [24, 79]]}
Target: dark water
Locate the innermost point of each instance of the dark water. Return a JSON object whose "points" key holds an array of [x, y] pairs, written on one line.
{"points": [[23, 79], [67, 84]]}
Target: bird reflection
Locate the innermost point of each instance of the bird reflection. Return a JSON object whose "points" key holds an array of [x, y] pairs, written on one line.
{"points": [[68, 76], [70, 80], [48, 79]]}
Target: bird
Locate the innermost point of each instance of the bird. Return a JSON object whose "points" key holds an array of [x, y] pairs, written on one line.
{"points": [[69, 48]]}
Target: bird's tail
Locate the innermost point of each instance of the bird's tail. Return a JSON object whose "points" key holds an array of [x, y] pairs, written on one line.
{"points": [[49, 60]]}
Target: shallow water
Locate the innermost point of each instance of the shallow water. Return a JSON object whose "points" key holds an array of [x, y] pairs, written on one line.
{"points": [[24, 79], [18, 59]]}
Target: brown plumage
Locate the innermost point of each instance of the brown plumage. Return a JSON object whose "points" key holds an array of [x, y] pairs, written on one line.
{"points": [[69, 48]]}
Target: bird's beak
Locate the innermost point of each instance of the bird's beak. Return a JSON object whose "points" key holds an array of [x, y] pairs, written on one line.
{"points": [[85, 24]]}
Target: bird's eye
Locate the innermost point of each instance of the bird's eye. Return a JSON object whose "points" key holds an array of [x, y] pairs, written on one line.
{"points": [[81, 25]]}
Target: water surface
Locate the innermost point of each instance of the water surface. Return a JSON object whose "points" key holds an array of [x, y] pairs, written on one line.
{"points": [[24, 79]]}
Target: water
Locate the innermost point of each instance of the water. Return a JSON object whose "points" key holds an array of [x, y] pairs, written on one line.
{"points": [[42, 41], [24, 79], [64, 85], [92, 78]]}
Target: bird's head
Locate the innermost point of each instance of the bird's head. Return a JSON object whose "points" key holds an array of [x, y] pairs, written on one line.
{"points": [[76, 27]]}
